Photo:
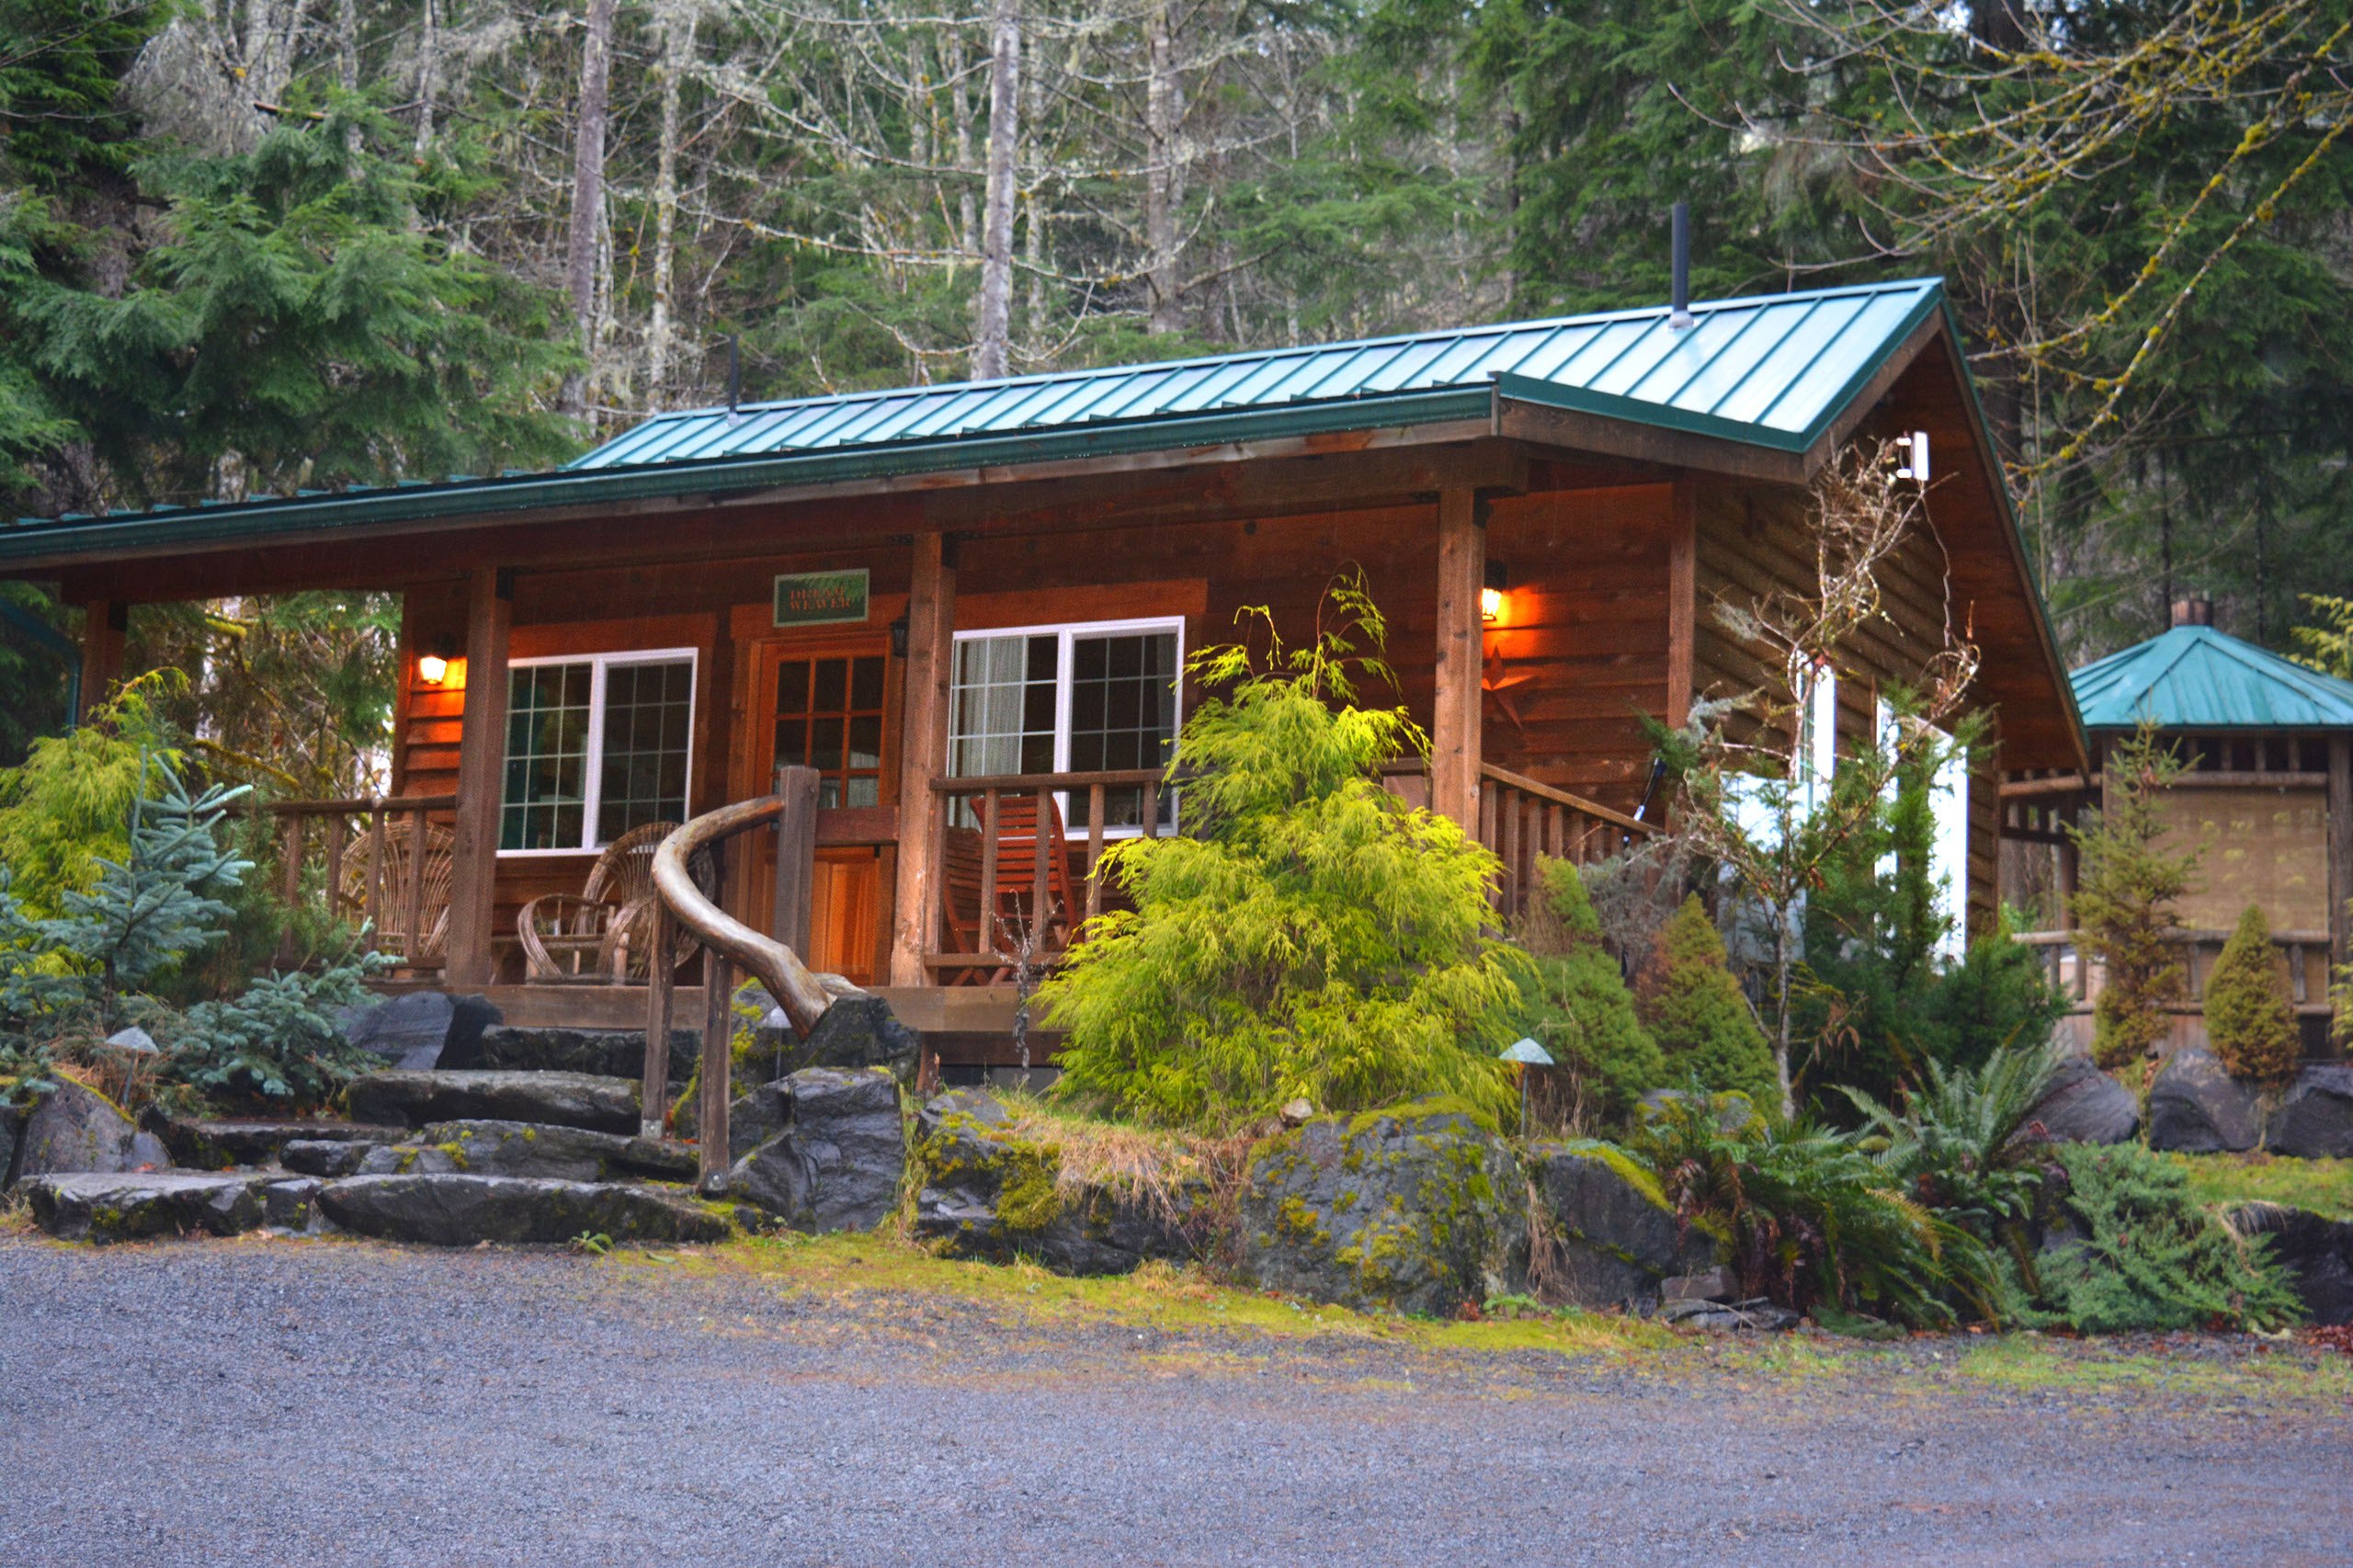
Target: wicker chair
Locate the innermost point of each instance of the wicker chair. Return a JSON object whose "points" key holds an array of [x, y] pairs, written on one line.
{"points": [[599, 934], [391, 933]]}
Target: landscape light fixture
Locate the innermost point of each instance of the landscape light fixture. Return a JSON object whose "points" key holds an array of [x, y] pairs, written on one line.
{"points": [[1526, 1053], [1491, 597]]}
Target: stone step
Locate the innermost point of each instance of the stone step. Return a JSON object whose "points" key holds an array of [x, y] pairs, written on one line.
{"points": [[217, 1145], [450, 1210], [129, 1206], [531, 1149], [613, 1053], [593, 1101]]}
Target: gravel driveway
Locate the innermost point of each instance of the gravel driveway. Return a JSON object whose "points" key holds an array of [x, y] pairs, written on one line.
{"points": [[253, 1404]]}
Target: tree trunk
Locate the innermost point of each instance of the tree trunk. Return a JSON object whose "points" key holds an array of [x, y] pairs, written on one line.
{"points": [[587, 189], [429, 72], [1033, 238], [1163, 190], [996, 235], [678, 47], [968, 223], [346, 45]]}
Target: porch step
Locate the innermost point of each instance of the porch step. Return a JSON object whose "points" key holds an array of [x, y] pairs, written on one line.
{"points": [[593, 1101]]}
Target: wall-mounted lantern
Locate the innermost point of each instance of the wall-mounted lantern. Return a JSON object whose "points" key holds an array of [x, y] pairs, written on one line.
{"points": [[1491, 597], [433, 664]]}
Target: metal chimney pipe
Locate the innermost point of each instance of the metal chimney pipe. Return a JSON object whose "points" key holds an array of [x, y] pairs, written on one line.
{"points": [[734, 373], [1678, 316]]}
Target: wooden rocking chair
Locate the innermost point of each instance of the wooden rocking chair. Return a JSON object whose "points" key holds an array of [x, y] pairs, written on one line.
{"points": [[599, 936], [397, 841], [1007, 908]]}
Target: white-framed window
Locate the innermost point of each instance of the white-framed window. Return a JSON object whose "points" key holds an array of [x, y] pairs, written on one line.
{"points": [[596, 743], [1947, 842], [1098, 697]]}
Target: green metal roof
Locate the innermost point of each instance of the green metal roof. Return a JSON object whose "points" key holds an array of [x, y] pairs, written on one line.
{"points": [[1773, 371], [2195, 678]]}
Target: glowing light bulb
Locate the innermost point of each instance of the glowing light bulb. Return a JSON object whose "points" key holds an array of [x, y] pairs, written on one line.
{"points": [[1490, 605], [432, 669]]}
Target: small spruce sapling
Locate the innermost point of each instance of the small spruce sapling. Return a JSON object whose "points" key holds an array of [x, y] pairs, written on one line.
{"points": [[2126, 890], [2249, 1021], [1703, 1025]]}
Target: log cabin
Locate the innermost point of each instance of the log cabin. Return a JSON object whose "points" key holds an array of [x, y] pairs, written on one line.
{"points": [[965, 605]]}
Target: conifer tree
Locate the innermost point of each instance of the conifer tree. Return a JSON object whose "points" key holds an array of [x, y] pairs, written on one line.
{"points": [[1578, 1005], [2124, 902], [2248, 1020], [1697, 1013]]}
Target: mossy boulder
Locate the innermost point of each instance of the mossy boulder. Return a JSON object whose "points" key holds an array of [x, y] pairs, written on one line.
{"points": [[1420, 1208], [77, 1128], [2197, 1107], [988, 1193], [836, 1162], [2080, 1104], [459, 1210], [2315, 1122], [1614, 1237]]}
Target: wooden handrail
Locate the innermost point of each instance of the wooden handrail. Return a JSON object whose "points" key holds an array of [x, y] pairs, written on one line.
{"points": [[1011, 783], [1562, 797], [804, 997], [357, 806]]}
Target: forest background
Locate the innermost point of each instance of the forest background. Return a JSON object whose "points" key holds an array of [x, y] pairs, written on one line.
{"points": [[252, 246]]}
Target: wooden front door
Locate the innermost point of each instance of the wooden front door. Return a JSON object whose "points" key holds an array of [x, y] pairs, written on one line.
{"points": [[826, 704]]}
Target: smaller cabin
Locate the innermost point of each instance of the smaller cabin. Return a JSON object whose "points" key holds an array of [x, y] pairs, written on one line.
{"points": [[2266, 788]]}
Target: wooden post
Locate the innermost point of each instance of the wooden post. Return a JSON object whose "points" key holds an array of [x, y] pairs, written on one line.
{"points": [[413, 937], [481, 768], [289, 888], [1682, 603], [989, 850], [104, 623], [2340, 846], [1454, 717], [1095, 842], [375, 892], [923, 753], [1043, 846], [718, 1066], [796, 856], [661, 973]]}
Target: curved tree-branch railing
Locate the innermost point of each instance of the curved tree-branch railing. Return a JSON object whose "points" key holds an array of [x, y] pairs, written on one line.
{"points": [[728, 944]]}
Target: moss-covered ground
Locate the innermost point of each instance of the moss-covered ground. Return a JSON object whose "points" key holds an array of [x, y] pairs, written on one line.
{"points": [[2325, 1187]]}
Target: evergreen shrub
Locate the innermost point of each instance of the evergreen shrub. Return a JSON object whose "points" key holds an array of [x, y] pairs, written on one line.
{"points": [[1697, 1013], [1574, 1001], [2250, 1022], [1308, 936], [2149, 1258], [2127, 884]]}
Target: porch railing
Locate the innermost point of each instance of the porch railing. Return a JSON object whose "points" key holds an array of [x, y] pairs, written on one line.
{"points": [[389, 879], [1521, 819], [1032, 927], [2081, 978]]}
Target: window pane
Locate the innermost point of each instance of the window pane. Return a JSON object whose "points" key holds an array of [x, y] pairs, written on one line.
{"points": [[862, 790], [792, 687], [1124, 706], [546, 757], [648, 724], [826, 743], [866, 741], [1001, 705], [866, 684], [830, 688]]}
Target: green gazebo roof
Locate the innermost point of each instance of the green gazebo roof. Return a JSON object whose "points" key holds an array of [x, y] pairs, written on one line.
{"points": [[2194, 677]]}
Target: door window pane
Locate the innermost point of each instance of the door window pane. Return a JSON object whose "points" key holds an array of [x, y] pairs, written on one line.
{"points": [[829, 717]]}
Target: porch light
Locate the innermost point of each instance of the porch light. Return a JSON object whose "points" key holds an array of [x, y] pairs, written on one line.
{"points": [[1491, 597], [433, 664]]}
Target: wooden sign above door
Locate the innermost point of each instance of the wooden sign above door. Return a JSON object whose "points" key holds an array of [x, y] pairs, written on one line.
{"points": [[821, 598]]}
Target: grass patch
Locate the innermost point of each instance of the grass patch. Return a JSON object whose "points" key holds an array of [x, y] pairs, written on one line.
{"points": [[2032, 1364], [2325, 1187], [1158, 1295]]}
